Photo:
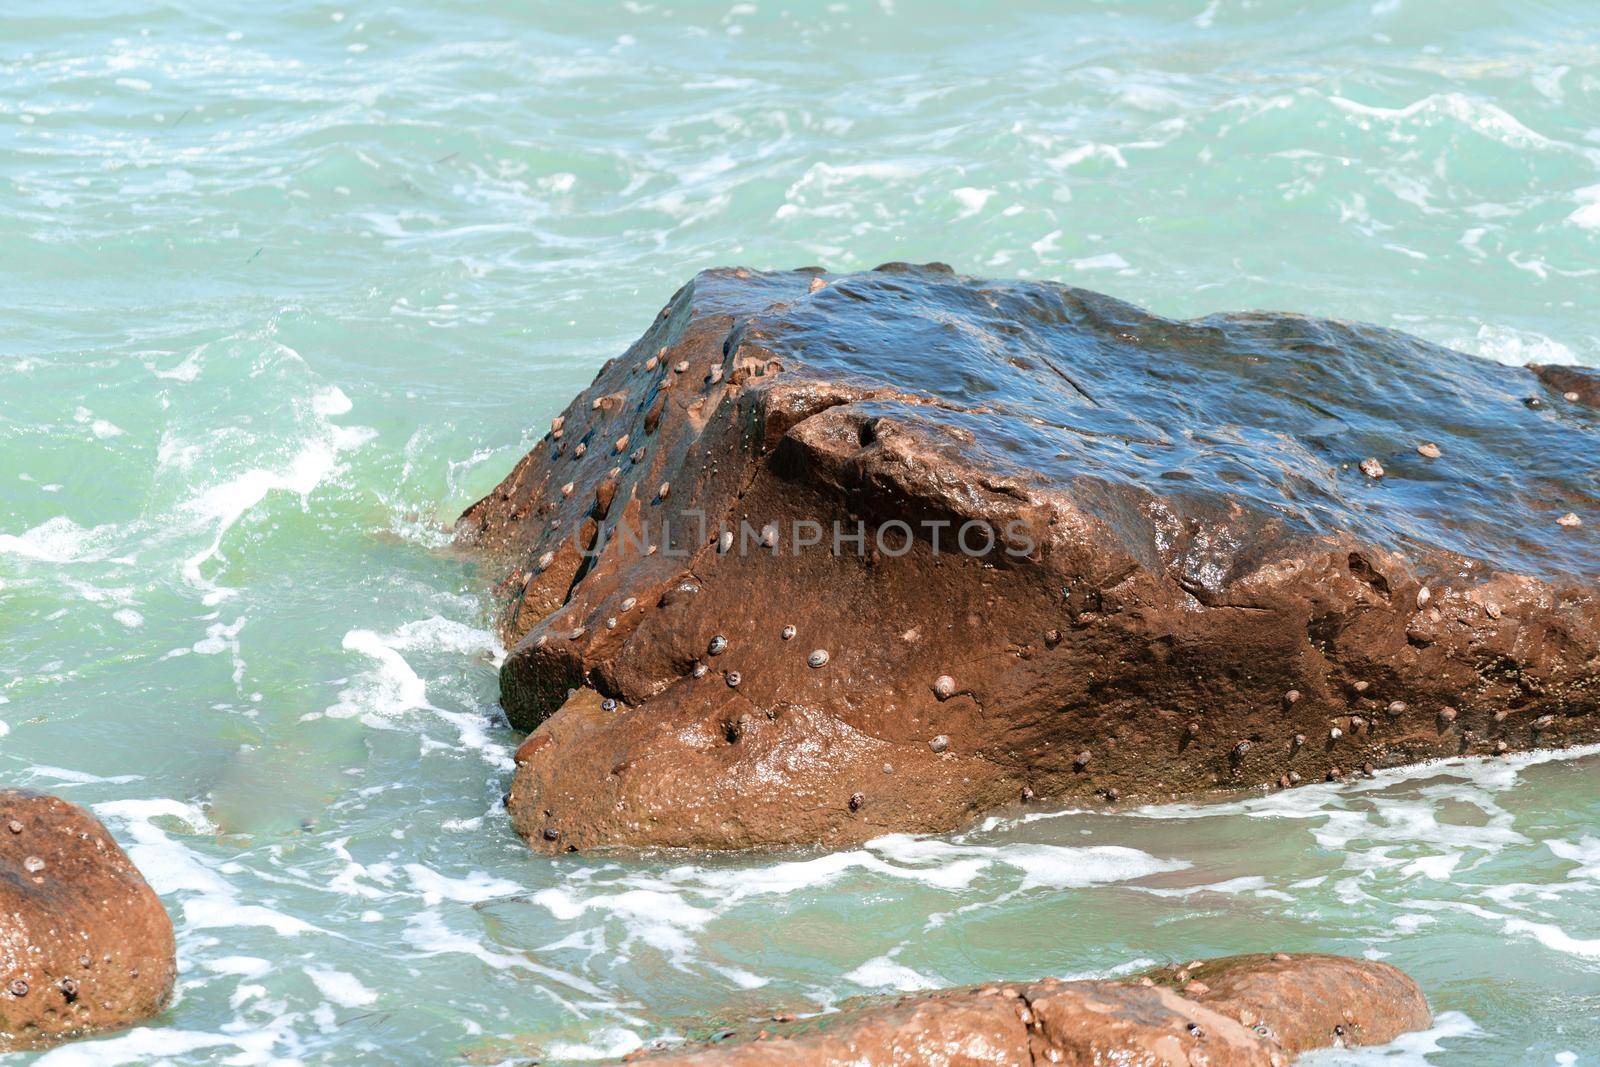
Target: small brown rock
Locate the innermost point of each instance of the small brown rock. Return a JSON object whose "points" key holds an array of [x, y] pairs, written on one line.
{"points": [[82, 889]]}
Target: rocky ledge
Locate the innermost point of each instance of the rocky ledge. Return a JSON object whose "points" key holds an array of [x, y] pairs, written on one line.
{"points": [[822, 557], [1242, 1011], [85, 945]]}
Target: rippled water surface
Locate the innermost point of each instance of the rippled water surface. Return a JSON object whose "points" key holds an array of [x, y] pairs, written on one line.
{"points": [[288, 285]]}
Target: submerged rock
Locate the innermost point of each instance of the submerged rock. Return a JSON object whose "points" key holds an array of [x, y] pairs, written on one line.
{"points": [[1242, 1011], [85, 945], [1122, 534]]}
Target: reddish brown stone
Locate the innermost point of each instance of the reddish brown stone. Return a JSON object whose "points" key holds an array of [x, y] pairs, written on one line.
{"points": [[1257, 1012], [85, 945], [1202, 544], [1577, 385]]}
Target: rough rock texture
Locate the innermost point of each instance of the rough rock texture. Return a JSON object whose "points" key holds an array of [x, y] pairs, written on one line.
{"points": [[1217, 594], [1243, 1011], [84, 943]]}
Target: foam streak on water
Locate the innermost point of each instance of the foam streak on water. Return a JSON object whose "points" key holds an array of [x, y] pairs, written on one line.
{"points": [[289, 285]]}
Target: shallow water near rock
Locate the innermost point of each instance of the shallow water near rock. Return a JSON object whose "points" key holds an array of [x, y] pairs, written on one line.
{"points": [[289, 289]]}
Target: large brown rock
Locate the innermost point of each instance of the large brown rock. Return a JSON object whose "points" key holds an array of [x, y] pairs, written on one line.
{"points": [[1215, 594], [1242, 1011], [85, 945]]}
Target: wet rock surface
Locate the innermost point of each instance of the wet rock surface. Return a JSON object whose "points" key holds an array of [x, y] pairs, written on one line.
{"points": [[1241, 1011], [1196, 582], [85, 945]]}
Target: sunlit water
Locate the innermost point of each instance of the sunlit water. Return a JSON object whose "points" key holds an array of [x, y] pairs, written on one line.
{"points": [[288, 285]]}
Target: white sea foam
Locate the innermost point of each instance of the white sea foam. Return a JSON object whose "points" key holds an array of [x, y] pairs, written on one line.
{"points": [[1587, 214], [1254, 884], [240, 966], [607, 1043], [1311, 801], [1555, 938], [145, 1045], [1585, 852], [971, 200], [173, 869], [1514, 347], [381, 697], [1072, 157], [476, 886], [1408, 1050], [57, 540], [227, 468], [341, 988], [661, 919], [331, 401], [937, 863], [428, 933], [1473, 113], [1105, 261], [223, 505], [64, 774], [881, 972]]}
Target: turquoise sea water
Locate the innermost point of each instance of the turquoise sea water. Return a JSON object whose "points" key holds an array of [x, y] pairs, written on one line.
{"points": [[286, 286]]}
